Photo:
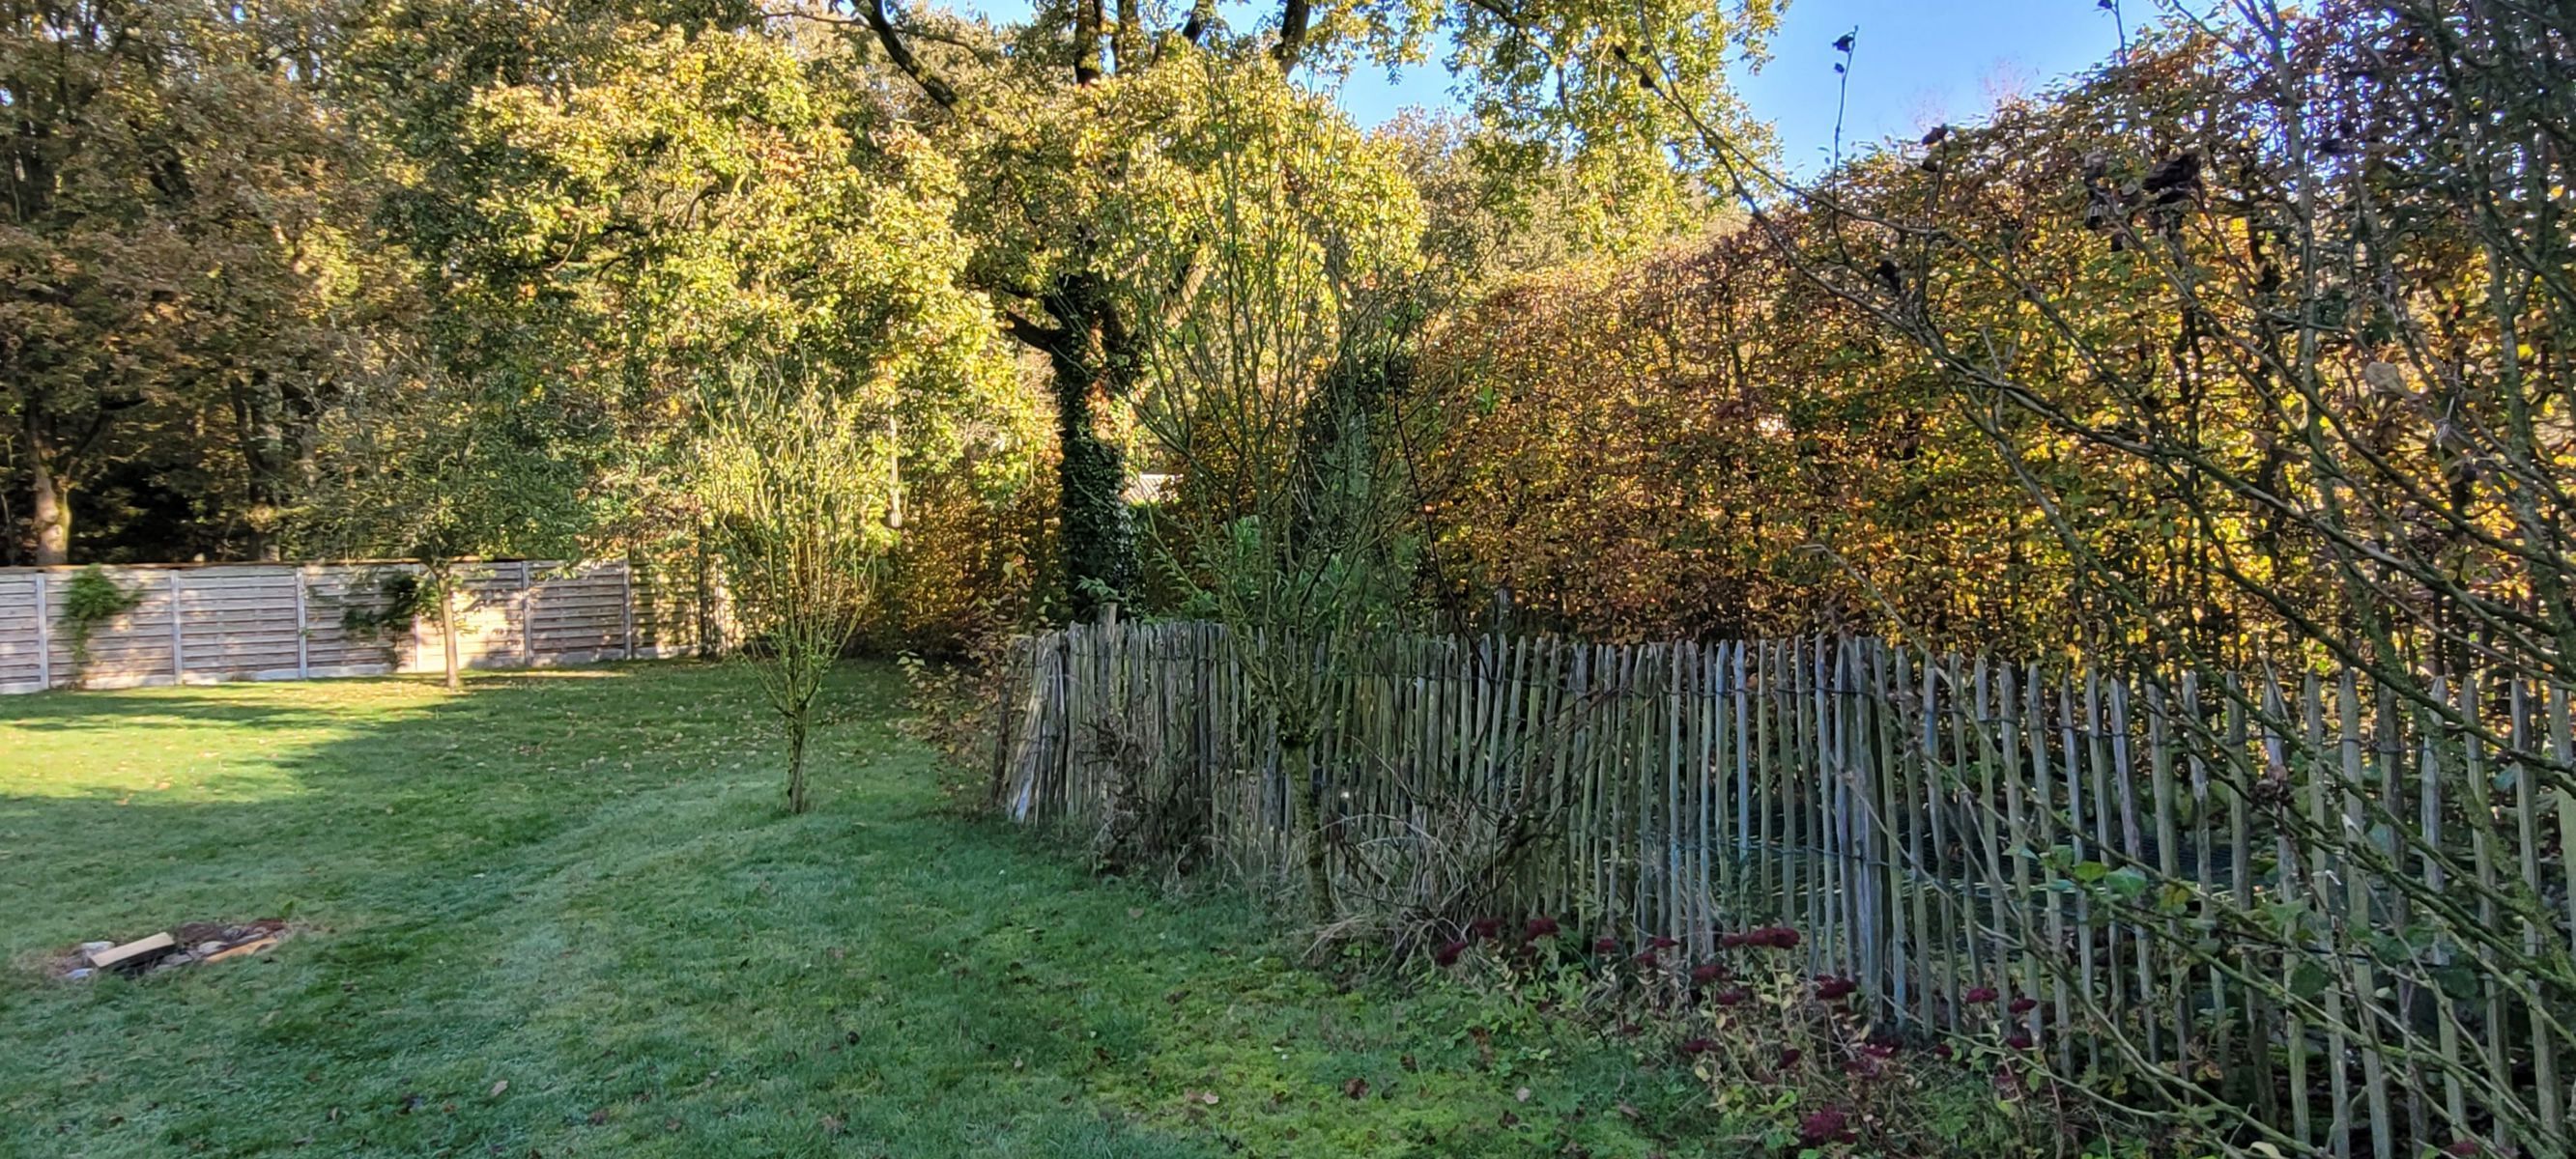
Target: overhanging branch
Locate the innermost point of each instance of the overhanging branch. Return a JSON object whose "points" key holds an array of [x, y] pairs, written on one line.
{"points": [[932, 84]]}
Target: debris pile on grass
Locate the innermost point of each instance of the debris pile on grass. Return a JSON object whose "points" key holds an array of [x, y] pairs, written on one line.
{"points": [[183, 945]]}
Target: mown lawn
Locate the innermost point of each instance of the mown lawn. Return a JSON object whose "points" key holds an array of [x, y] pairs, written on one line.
{"points": [[562, 914]]}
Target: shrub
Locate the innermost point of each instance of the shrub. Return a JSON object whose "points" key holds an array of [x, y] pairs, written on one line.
{"points": [[402, 597], [1786, 1053], [89, 600]]}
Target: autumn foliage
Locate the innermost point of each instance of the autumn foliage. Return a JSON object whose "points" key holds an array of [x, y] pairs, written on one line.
{"points": [[2029, 385]]}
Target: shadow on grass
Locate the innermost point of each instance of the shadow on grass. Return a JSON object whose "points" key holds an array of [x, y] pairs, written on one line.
{"points": [[565, 915], [580, 887], [126, 709]]}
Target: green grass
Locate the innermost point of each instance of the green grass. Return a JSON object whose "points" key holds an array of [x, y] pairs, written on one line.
{"points": [[581, 885]]}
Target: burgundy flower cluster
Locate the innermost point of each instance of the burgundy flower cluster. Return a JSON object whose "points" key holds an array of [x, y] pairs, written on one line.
{"points": [[1765, 937], [1830, 1125], [1494, 929], [2017, 1037], [1871, 1060]]}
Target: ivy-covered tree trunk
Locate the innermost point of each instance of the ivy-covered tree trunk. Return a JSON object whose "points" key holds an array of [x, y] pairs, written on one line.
{"points": [[1090, 358]]}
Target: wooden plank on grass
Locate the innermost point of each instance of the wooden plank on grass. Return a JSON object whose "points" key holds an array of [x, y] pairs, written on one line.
{"points": [[136, 954]]}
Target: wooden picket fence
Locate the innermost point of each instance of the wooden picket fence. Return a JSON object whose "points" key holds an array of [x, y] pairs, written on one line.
{"points": [[2299, 896]]}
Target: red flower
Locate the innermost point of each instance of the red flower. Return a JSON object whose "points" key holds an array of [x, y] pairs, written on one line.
{"points": [[1605, 944], [1942, 1051], [1832, 989], [2462, 1149], [1484, 928], [1773, 937], [1736, 997], [1830, 1125], [1539, 928], [1733, 941], [1698, 1046], [1980, 995], [1790, 1057], [1707, 972], [1660, 942], [1447, 954], [2021, 1006], [2019, 1040]]}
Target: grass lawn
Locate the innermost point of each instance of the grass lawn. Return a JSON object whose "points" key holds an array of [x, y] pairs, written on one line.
{"points": [[563, 914]]}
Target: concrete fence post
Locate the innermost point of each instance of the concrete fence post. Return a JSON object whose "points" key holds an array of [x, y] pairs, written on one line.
{"points": [[178, 635], [44, 636], [303, 631], [626, 604], [527, 615]]}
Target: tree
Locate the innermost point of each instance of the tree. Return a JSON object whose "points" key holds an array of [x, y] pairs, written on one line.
{"points": [[795, 476], [1265, 383], [1056, 116], [2273, 344], [183, 250], [439, 470], [676, 207]]}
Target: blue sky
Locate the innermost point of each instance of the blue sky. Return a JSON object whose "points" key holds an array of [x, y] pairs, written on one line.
{"points": [[1916, 63]]}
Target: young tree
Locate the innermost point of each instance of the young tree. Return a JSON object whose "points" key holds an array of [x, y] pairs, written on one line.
{"points": [[436, 470], [1266, 377], [798, 486]]}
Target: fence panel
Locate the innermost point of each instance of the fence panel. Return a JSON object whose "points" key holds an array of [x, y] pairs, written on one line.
{"points": [[213, 622]]}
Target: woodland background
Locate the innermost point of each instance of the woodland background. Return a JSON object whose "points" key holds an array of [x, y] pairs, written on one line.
{"points": [[2183, 349]]}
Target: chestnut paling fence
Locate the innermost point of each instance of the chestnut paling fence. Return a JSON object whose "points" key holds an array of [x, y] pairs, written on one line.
{"points": [[2318, 914]]}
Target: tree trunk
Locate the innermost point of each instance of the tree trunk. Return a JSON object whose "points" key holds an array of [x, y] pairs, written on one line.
{"points": [[1297, 762], [796, 800], [447, 629], [1090, 358], [52, 504], [262, 440]]}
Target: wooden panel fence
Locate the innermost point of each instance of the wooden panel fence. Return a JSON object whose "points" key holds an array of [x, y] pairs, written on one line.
{"points": [[2322, 911], [213, 622]]}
